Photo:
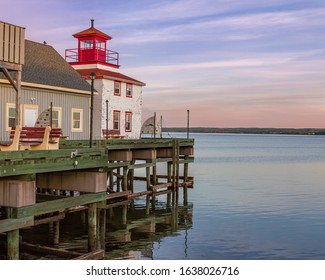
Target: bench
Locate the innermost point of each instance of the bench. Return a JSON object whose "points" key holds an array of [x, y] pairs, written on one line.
{"points": [[34, 138], [38, 138], [14, 144], [112, 134]]}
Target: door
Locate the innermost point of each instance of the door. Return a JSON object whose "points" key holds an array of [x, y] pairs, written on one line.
{"points": [[30, 115]]}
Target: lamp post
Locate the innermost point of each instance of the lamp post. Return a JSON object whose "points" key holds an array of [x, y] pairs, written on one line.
{"points": [[106, 133], [92, 77]]}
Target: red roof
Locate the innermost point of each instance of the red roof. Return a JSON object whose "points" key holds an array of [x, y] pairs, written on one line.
{"points": [[100, 73], [92, 32]]}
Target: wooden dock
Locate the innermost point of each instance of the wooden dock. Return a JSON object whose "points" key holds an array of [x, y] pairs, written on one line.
{"points": [[40, 186]]}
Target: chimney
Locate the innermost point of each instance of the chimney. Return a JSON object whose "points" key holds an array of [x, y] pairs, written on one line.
{"points": [[92, 23]]}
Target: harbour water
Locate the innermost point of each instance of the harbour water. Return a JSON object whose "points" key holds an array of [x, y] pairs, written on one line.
{"points": [[254, 197]]}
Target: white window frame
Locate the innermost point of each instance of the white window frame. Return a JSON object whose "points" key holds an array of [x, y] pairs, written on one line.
{"points": [[59, 110], [77, 110], [9, 106]]}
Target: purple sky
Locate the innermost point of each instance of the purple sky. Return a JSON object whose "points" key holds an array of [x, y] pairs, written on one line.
{"points": [[232, 63]]}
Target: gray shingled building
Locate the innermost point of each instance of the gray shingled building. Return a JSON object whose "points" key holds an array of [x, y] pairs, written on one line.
{"points": [[47, 79]]}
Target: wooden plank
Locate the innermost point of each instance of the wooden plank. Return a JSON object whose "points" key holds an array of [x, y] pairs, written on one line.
{"points": [[47, 220], [161, 186], [118, 194], [1, 40], [162, 192], [6, 43], [141, 165], [13, 224], [51, 154], [58, 205], [49, 250], [22, 46], [95, 255], [11, 43], [116, 204], [17, 45]]}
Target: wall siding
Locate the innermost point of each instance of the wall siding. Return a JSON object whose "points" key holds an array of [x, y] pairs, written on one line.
{"points": [[43, 99], [121, 103]]}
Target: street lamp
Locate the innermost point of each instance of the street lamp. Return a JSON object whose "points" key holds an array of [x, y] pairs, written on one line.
{"points": [[92, 77]]}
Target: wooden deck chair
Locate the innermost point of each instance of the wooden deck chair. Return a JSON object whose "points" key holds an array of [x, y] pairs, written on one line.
{"points": [[14, 145]]}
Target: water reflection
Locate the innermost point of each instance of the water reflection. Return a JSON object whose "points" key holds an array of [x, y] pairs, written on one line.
{"points": [[131, 231]]}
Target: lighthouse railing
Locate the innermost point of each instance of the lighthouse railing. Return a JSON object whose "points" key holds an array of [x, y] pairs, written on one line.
{"points": [[90, 55]]}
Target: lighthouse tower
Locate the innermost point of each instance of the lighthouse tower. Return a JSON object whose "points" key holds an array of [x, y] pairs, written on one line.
{"points": [[118, 98]]}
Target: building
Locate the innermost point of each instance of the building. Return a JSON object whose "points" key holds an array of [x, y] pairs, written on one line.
{"points": [[47, 81], [118, 105]]}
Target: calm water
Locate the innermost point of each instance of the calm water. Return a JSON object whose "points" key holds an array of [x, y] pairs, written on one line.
{"points": [[254, 197]]}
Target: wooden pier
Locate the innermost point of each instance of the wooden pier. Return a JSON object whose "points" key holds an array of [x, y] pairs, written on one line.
{"points": [[41, 186]]}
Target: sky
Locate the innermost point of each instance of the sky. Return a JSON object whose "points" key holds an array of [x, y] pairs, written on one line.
{"points": [[231, 63]]}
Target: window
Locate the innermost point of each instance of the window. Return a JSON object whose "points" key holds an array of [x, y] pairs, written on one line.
{"points": [[100, 45], [128, 90], [117, 88], [87, 44], [116, 120], [76, 120], [10, 115], [56, 117], [128, 121]]}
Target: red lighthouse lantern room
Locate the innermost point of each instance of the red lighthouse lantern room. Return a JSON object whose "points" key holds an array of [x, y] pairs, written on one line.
{"points": [[92, 49]]}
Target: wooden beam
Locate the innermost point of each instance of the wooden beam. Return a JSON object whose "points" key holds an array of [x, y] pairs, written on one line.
{"points": [[122, 155], [118, 195], [94, 255], [13, 224], [49, 251], [144, 154], [10, 79], [58, 205], [82, 181]]}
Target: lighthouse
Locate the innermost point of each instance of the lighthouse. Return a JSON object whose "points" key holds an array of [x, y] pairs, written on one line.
{"points": [[118, 97]]}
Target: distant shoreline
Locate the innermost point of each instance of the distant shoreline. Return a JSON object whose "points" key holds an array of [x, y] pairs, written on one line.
{"points": [[252, 130]]}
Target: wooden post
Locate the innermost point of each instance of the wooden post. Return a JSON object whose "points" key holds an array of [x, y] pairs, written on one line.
{"points": [[125, 179], [56, 233], [124, 214], [168, 200], [154, 174], [185, 195], [185, 169], [12, 240], [148, 176], [18, 98], [185, 178], [118, 179], [147, 204], [131, 172], [111, 177], [102, 228], [92, 224], [13, 245], [169, 172]]}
